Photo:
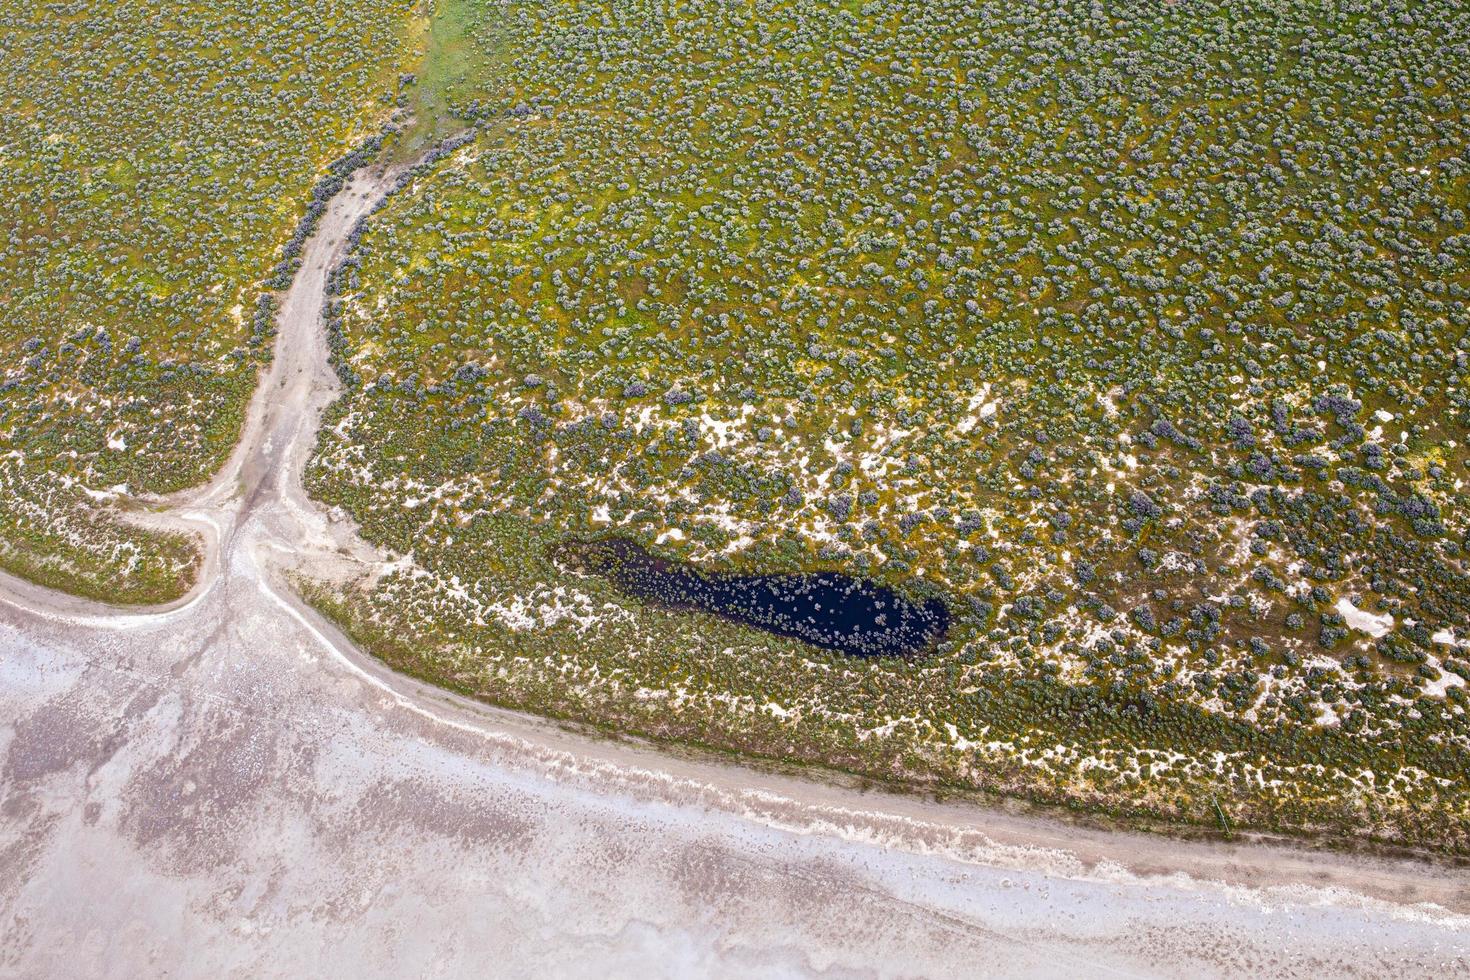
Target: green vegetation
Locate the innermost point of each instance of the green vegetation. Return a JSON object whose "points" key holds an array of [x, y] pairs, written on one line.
{"points": [[86, 553], [1138, 331], [1135, 331], [460, 53], [154, 158]]}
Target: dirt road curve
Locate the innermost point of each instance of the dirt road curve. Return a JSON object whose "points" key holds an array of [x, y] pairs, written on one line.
{"points": [[226, 787]]}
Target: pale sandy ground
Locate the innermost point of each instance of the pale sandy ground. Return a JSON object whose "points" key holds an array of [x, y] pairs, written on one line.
{"points": [[222, 793], [227, 788]]}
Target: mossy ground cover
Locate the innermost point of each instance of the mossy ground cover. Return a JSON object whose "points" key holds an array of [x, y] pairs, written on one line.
{"points": [[459, 52], [1136, 331], [154, 158]]}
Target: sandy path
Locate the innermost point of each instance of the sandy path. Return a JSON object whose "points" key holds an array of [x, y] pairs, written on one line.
{"points": [[263, 473], [226, 786]]}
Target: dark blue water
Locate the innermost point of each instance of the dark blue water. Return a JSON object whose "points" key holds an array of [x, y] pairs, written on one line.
{"points": [[826, 609]]}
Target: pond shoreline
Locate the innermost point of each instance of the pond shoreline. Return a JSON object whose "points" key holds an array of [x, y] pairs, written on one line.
{"points": [[831, 610]]}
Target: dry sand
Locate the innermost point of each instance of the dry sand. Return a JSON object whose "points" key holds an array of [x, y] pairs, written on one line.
{"points": [[226, 787]]}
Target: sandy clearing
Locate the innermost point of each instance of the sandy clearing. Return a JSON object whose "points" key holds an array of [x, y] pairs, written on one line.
{"points": [[226, 786], [1366, 622]]}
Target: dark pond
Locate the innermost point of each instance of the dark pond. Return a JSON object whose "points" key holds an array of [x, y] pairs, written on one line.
{"points": [[826, 609]]}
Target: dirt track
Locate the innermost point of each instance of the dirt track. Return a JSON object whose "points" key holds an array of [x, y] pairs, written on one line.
{"points": [[227, 786]]}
